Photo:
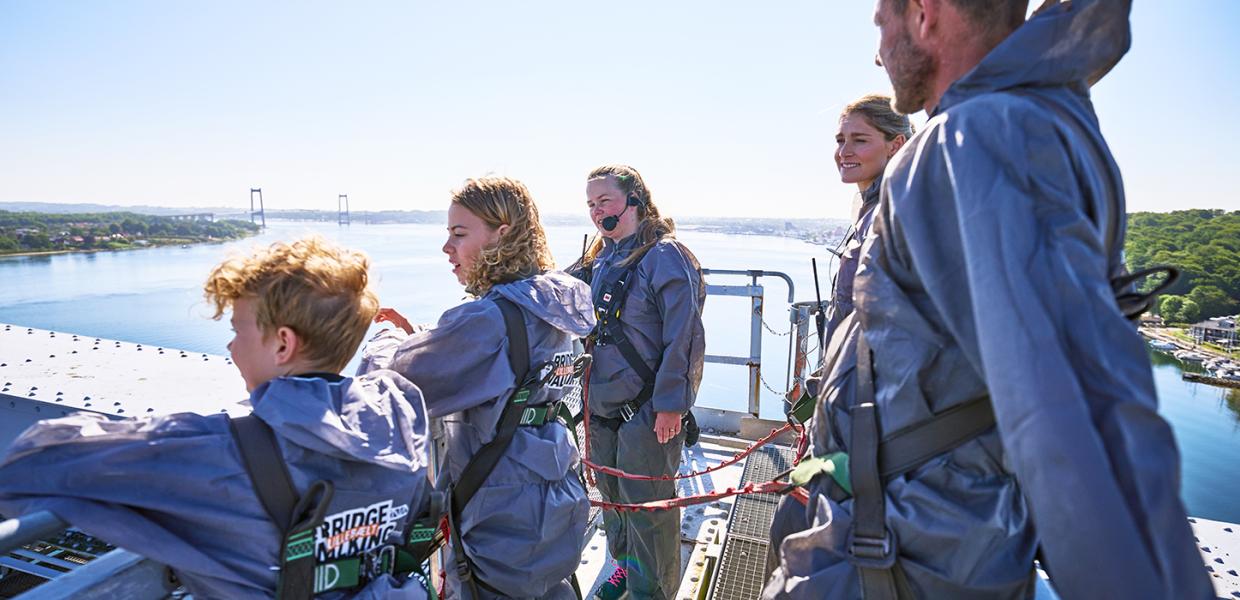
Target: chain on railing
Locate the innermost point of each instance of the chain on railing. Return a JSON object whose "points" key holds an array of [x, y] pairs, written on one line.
{"points": [[772, 329]]}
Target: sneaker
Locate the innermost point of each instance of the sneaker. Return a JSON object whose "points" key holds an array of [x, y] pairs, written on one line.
{"points": [[614, 587]]}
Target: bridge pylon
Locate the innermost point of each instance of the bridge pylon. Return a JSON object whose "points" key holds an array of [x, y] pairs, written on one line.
{"points": [[342, 210], [260, 213]]}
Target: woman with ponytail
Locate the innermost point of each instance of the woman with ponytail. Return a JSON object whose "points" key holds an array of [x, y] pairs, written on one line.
{"points": [[648, 354]]}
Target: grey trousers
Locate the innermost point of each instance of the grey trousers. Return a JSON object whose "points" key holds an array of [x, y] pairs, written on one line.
{"points": [[647, 544]]}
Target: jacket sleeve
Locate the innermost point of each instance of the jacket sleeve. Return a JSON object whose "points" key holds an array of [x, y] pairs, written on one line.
{"points": [[461, 362], [676, 282], [997, 228], [171, 488]]}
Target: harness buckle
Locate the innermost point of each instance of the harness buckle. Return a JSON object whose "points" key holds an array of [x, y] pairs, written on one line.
{"points": [[627, 412], [869, 552]]}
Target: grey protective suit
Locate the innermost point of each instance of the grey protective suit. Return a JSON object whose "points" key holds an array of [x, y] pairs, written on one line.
{"points": [[525, 527], [662, 317], [173, 488], [842, 288], [988, 271], [790, 513]]}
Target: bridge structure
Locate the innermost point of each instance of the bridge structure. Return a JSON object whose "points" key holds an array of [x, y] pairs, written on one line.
{"points": [[724, 542], [261, 214], [208, 217], [342, 209]]}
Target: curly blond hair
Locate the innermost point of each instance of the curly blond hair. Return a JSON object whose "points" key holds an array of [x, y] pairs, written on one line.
{"points": [[651, 226], [318, 289], [522, 249]]}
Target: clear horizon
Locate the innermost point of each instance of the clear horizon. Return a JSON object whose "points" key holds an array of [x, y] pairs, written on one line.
{"points": [[724, 109]]}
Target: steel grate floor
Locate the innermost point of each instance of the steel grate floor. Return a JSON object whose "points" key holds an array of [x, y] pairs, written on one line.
{"points": [[751, 518], [742, 570], [742, 567]]}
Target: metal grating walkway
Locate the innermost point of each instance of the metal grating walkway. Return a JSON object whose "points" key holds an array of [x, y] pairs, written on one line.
{"points": [[742, 566]]}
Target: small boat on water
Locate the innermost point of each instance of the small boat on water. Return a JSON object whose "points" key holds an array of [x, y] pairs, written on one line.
{"points": [[1161, 345], [1188, 356]]}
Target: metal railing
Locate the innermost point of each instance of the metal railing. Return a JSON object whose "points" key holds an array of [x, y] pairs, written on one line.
{"points": [[754, 291]]}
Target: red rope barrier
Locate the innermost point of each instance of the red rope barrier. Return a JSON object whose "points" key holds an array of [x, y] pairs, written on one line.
{"points": [[766, 487], [731, 461]]}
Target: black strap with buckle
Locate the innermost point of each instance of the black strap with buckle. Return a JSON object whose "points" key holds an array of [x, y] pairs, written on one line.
{"points": [[871, 545], [608, 331]]}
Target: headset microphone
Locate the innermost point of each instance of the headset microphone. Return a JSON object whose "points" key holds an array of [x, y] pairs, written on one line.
{"points": [[610, 223]]}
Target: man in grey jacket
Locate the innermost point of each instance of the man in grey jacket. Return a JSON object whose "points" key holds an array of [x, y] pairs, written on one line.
{"points": [[990, 280]]}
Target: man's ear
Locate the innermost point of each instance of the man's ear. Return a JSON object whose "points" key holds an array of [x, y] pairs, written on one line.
{"points": [[288, 344], [924, 16], [501, 230]]}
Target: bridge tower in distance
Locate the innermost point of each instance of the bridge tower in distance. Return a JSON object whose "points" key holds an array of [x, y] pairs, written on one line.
{"points": [[260, 213], [342, 209]]}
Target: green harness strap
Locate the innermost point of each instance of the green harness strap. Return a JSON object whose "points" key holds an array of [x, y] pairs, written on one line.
{"points": [[835, 465]]}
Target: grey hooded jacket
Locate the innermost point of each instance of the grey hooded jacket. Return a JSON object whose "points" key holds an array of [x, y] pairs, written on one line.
{"points": [[173, 488], [662, 317], [525, 527], [989, 272], [842, 288]]}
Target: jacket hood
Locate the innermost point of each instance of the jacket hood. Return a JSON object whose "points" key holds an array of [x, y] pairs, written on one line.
{"points": [[559, 299], [1067, 43], [376, 418]]}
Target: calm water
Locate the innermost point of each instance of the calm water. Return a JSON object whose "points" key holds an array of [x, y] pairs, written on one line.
{"points": [[154, 297]]}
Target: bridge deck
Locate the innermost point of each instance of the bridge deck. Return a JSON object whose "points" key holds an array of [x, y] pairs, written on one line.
{"points": [[45, 374]]}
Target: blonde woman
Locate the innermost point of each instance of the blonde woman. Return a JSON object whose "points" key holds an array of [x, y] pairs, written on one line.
{"points": [[648, 354], [870, 133], [522, 530]]}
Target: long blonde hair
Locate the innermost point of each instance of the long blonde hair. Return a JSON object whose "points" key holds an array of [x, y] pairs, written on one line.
{"points": [[522, 249], [651, 226]]}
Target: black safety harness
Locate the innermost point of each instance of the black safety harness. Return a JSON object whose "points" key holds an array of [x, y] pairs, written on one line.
{"points": [[515, 414], [873, 459], [609, 303]]}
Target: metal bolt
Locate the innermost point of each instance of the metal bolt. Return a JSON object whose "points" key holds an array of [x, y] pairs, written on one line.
{"points": [[120, 410], [150, 410], [116, 404]]}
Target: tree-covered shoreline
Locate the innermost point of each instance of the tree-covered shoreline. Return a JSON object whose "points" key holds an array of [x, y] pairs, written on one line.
{"points": [[33, 232], [1205, 245]]}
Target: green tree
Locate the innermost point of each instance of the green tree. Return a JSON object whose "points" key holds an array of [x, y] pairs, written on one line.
{"points": [[1213, 301], [37, 241], [1190, 312], [1169, 307]]}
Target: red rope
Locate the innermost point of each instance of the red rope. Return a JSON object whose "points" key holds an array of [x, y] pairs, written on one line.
{"points": [[731, 461], [766, 487]]}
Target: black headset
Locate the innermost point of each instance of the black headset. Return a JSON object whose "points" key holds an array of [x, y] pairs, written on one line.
{"points": [[610, 223]]}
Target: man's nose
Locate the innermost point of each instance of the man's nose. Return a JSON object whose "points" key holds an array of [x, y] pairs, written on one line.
{"points": [[878, 60]]}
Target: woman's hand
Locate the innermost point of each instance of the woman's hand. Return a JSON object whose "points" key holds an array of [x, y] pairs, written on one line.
{"points": [[389, 315], [666, 425]]}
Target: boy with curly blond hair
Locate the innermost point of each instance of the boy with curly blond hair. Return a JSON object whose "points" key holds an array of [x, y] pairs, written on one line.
{"points": [[176, 487]]}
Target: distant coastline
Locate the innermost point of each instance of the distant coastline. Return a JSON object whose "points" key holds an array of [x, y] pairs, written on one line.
{"points": [[36, 233]]}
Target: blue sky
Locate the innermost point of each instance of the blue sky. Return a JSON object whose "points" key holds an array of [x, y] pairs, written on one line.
{"points": [[727, 108]]}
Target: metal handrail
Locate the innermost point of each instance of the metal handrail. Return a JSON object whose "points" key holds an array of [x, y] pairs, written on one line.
{"points": [[19, 531], [755, 273], [753, 362]]}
